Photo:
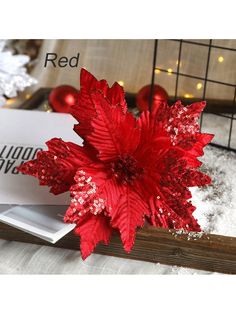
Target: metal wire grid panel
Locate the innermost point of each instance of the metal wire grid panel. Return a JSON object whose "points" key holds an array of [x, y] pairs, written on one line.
{"points": [[229, 124]]}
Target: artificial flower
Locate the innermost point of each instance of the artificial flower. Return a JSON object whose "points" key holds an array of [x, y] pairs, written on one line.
{"points": [[129, 170]]}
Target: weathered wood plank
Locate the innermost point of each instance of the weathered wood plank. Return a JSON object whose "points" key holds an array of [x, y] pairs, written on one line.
{"points": [[210, 252]]}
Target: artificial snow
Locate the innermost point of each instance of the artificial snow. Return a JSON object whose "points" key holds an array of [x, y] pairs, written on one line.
{"points": [[216, 203], [13, 74]]}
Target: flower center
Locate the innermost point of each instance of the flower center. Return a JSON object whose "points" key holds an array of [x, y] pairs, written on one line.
{"points": [[126, 170]]}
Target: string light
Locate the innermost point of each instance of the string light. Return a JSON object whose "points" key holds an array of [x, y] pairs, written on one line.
{"points": [[169, 71], [199, 85], [27, 96], [10, 101], [121, 83], [220, 59], [188, 96], [157, 71]]}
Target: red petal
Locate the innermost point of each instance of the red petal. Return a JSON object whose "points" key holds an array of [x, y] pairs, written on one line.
{"points": [[129, 215], [112, 192], [89, 83], [164, 215], [57, 166], [85, 111], [87, 196], [154, 141], [196, 108], [92, 230], [192, 178], [179, 121], [201, 141], [116, 96], [115, 132]]}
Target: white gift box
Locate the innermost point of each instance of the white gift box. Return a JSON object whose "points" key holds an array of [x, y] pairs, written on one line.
{"points": [[23, 203]]}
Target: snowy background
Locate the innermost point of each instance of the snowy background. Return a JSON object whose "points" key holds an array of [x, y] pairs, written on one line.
{"points": [[216, 204]]}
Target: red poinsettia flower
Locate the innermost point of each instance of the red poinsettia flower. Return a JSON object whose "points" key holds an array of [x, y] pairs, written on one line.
{"points": [[129, 170]]}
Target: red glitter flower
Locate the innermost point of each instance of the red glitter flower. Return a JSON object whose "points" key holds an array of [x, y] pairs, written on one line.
{"points": [[129, 170]]}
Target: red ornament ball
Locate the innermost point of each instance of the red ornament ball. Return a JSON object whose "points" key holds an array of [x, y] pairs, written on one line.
{"points": [[160, 96], [62, 98]]}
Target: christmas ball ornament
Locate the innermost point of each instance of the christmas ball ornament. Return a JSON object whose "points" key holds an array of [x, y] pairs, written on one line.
{"points": [[160, 96], [62, 98]]}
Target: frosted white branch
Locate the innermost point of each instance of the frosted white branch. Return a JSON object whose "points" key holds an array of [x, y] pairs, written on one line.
{"points": [[13, 74]]}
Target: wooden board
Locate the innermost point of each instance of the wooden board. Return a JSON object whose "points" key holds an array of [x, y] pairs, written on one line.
{"points": [[210, 252]]}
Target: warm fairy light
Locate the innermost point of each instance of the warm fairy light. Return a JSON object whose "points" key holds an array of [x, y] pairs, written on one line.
{"points": [[157, 71], [177, 62], [27, 96], [45, 107], [220, 59], [188, 96], [121, 83], [10, 101], [199, 85], [169, 71]]}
